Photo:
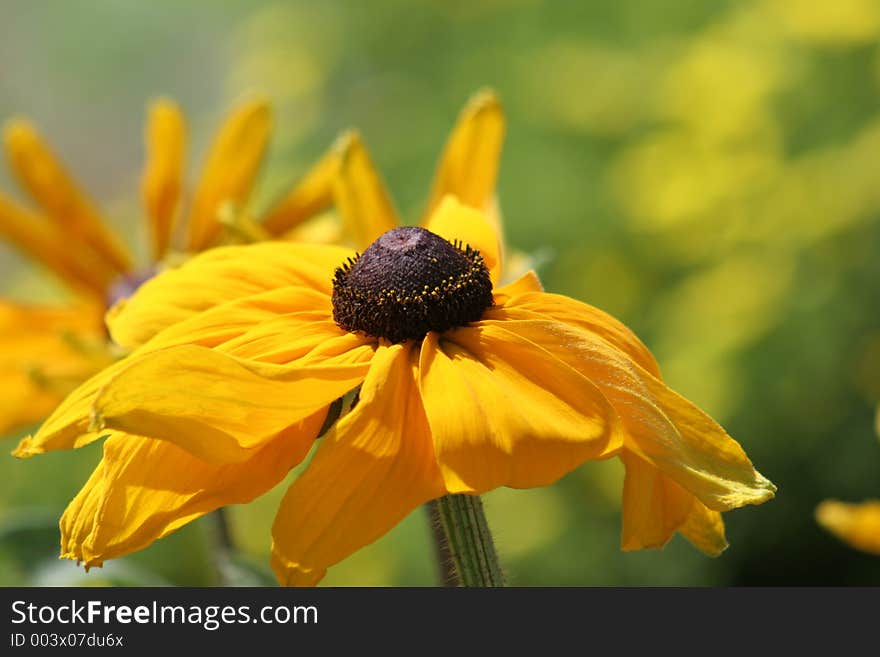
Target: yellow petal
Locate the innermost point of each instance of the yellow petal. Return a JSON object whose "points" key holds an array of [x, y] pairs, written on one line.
{"points": [[312, 195], [279, 326], [78, 520], [292, 337], [525, 304], [360, 195], [528, 282], [454, 221], [857, 525], [374, 467], [162, 182], [46, 244], [289, 319], [42, 174], [39, 363], [704, 528], [229, 171], [654, 506], [468, 167], [299, 334], [144, 489], [217, 407], [71, 424], [662, 427], [218, 276], [504, 412]]}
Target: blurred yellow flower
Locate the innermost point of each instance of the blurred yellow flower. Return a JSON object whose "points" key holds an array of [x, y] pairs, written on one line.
{"points": [[463, 387], [858, 525], [46, 352], [828, 23]]}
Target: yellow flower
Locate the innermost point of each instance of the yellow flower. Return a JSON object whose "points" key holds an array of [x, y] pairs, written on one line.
{"points": [[858, 525], [462, 387], [347, 179], [46, 352]]}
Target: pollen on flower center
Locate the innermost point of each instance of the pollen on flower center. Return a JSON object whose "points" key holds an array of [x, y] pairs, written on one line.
{"points": [[408, 282]]}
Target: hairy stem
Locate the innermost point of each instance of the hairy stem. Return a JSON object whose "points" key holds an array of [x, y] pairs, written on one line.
{"points": [[446, 572], [469, 541]]}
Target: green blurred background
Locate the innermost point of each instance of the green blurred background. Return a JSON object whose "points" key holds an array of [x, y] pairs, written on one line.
{"points": [[707, 171]]}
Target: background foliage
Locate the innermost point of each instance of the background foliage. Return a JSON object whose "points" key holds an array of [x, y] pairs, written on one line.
{"points": [[706, 171]]}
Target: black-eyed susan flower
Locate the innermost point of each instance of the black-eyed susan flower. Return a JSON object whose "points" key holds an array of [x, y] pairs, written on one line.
{"points": [[463, 386], [46, 351]]}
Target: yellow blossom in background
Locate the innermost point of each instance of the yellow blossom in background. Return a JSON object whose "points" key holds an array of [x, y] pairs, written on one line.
{"points": [[215, 409], [622, 90], [720, 183], [46, 352], [827, 23], [858, 525]]}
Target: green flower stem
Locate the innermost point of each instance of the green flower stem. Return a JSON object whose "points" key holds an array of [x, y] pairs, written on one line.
{"points": [[223, 530], [468, 541], [224, 545], [446, 572]]}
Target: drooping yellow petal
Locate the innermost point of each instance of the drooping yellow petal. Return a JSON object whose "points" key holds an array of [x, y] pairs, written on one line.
{"points": [[661, 426], [39, 362], [654, 506], [454, 221], [229, 171], [144, 489], [217, 407], [468, 167], [360, 195], [312, 195], [704, 529], [45, 243], [42, 174], [857, 525], [525, 304], [217, 276], [505, 413], [162, 182], [301, 336], [78, 519], [374, 467]]}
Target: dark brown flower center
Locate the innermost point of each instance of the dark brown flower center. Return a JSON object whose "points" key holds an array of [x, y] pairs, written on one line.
{"points": [[408, 282]]}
